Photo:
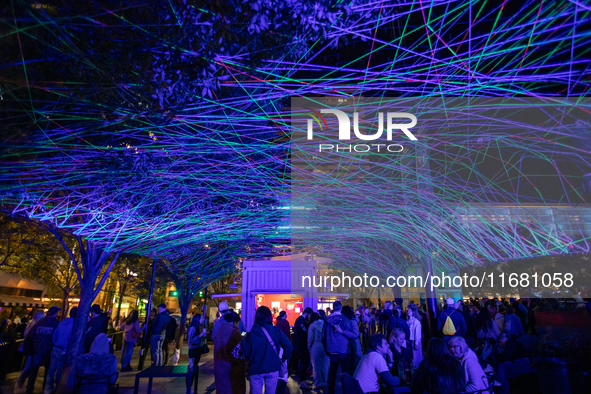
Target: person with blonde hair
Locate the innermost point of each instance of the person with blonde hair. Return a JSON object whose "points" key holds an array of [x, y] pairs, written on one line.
{"points": [[27, 350], [475, 378]]}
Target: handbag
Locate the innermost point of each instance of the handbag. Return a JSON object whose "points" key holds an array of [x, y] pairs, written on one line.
{"points": [[283, 367], [205, 349]]}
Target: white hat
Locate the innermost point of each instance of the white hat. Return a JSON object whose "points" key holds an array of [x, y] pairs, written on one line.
{"points": [[450, 301], [223, 307]]}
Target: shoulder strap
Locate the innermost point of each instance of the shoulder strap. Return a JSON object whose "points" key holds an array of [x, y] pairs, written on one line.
{"points": [[270, 340]]}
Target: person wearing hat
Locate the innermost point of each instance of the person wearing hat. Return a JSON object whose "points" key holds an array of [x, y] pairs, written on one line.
{"points": [[98, 323], [159, 327], [457, 319], [41, 336], [223, 309]]}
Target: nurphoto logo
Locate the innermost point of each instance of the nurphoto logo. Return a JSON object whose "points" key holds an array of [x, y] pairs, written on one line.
{"points": [[345, 130]]}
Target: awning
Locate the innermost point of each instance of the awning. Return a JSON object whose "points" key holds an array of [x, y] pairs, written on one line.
{"points": [[21, 301]]}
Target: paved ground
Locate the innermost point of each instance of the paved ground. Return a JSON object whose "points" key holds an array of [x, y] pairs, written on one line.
{"points": [[162, 385]]}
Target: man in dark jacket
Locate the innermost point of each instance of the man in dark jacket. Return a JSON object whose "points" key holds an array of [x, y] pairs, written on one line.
{"points": [[41, 335], [159, 327], [457, 320], [300, 341], [97, 324], [336, 333]]}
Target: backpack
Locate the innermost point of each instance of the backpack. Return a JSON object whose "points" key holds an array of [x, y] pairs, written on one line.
{"points": [[448, 327]]}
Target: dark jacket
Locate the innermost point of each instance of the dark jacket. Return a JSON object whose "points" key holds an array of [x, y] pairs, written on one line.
{"points": [[283, 324], [300, 334], [336, 342], [457, 319], [470, 329], [41, 335], [160, 323], [95, 326], [258, 350], [393, 322]]}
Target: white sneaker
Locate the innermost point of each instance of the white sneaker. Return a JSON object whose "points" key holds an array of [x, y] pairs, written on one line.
{"points": [[18, 389], [305, 386]]}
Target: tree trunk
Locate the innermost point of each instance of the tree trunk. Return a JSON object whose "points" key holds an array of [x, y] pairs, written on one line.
{"points": [[184, 309], [65, 303], [122, 288], [76, 345]]}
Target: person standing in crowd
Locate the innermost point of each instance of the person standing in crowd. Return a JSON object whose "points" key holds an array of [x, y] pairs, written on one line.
{"points": [[354, 352], [169, 338], [97, 324], [474, 375], [450, 322], [267, 349], [283, 324], [27, 349], [373, 366], [61, 339], [322, 314], [42, 336], [402, 361], [386, 319], [470, 330], [21, 327], [320, 360], [97, 362], [300, 344], [512, 322], [159, 327], [439, 372], [223, 309], [197, 339], [416, 333], [485, 325], [132, 332], [335, 338], [229, 369], [399, 321]]}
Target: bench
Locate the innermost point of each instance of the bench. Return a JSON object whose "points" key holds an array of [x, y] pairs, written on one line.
{"points": [[164, 372]]}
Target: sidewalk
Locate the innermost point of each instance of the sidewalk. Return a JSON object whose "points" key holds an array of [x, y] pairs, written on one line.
{"points": [[161, 385]]}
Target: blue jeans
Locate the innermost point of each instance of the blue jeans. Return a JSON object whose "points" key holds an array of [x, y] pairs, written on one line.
{"points": [[156, 343], [128, 354], [269, 380], [58, 357], [25, 373], [36, 363]]}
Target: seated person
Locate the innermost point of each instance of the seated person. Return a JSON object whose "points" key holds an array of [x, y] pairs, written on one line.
{"points": [[509, 349], [475, 377], [372, 366], [400, 355], [96, 364], [439, 371]]}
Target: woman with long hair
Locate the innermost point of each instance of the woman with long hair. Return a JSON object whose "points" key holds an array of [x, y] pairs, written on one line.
{"points": [[401, 355], [439, 371], [132, 332], [485, 325], [27, 349], [267, 350], [197, 338]]}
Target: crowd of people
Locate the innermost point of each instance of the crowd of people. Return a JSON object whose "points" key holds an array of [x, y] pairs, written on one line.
{"points": [[459, 351], [379, 349]]}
